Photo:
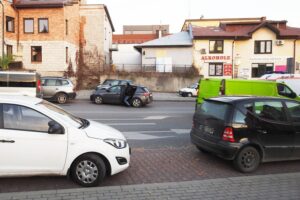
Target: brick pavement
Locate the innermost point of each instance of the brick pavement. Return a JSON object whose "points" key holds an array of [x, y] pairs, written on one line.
{"points": [[280, 186]]}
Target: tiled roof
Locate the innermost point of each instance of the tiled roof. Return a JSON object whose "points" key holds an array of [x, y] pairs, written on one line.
{"points": [[133, 38], [245, 30], [42, 3]]}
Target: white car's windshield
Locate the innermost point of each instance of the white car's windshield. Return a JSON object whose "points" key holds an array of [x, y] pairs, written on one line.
{"points": [[75, 121]]}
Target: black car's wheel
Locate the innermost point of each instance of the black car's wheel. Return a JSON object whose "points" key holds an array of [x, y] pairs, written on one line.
{"points": [[88, 170], [136, 102], [98, 100], [61, 98], [247, 160], [202, 150]]}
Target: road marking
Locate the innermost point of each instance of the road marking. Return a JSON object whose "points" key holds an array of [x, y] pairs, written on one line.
{"points": [[130, 124], [134, 119], [140, 136]]}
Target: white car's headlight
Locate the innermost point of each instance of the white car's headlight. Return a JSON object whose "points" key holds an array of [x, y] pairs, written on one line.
{"points": [[117, 143]]}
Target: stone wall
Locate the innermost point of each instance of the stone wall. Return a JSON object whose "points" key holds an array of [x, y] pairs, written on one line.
{"points": [[157, 82]]}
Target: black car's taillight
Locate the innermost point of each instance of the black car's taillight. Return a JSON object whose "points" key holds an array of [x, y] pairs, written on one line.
{"points": [[228, 134]]}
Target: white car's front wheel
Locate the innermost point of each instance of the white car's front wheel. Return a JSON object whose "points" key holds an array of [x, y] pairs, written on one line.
{"points": [[88, 170]]}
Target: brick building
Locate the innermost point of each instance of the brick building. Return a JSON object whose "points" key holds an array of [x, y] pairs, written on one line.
{"points": [[49, 35]]}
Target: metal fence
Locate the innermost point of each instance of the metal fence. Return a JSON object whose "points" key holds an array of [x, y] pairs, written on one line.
{"points": [[153, 68]]}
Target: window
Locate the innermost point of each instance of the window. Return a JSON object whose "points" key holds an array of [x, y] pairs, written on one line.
{"points": [[67, 54], [9, 50], [243, 114], [43, 25], [263, 47], [23, 118], [216, 46], [285, 91], [294, 110], [28, 25], [115, 89], [67, 27], [10, 24], [215, 69], [216, 110], [259, 69], [36, 54], [271, 110]]}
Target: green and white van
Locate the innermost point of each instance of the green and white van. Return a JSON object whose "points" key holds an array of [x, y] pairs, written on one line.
{"points": [[215, 87]]}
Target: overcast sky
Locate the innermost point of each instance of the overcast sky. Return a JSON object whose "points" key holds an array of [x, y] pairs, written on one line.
{"points": [[174, 12]]}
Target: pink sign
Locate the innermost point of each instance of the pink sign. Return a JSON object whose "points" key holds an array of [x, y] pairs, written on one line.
{"points": [[280, 68]]}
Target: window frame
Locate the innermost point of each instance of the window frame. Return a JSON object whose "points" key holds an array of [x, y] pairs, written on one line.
{"points": [[2, 116], [215, 51], [291, 118], [285, 114], [7, 48], [38, 61], [40, 19], [24, 25], [215, 65], [9, 19], [259, 47]]}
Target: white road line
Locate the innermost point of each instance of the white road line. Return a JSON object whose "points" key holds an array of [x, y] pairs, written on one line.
{"points": [[156, 117], [130, 124], [131, 132], [134, 119]]}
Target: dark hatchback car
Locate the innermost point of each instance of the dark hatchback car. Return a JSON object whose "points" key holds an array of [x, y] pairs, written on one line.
{"points": [[141, 96], [111, 82], [248, 130]]}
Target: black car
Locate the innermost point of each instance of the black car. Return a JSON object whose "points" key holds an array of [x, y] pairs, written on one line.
{"points": [[248, 130], [141, 96]]}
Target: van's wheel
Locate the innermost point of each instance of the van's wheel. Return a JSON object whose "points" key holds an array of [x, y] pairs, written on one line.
{"points": [[136, 102], [247, 160], [61, 98], [88, 170], [98, 100]]}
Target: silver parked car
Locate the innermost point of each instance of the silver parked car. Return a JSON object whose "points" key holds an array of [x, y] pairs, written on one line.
{"points": [[58, 89]]}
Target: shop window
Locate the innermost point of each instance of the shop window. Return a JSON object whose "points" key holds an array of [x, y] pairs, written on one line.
{"points": [[263, 47], [215, 69], [28, 25], [43, 25], [10, 24], [36, 54], [216, 46], [9, 50], [259, 69]]}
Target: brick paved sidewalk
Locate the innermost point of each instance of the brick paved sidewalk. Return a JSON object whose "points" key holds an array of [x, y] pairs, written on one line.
{"points": [[280, 186]]}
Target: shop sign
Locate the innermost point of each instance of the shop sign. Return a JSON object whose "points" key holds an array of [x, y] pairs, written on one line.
{"points": [[227, 70], [215, 58]]}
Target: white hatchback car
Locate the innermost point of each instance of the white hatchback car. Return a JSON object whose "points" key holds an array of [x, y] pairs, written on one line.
{"points": [[39, 138], [189, 91]]}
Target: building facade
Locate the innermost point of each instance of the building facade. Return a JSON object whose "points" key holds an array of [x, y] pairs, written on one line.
{"points": [[48, 36], [246, 49]]}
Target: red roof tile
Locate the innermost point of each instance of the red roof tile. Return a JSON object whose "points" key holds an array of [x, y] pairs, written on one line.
{"points": [[133, 38]]}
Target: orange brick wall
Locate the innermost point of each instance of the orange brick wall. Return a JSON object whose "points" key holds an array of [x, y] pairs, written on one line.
{"points": [[73, 17], [11, 12]]}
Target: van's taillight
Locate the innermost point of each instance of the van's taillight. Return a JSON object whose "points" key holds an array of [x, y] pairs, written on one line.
{"points": [[228, 134], [39, 87]]}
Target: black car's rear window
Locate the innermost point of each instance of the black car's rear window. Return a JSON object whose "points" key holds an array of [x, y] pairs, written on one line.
{"points": [[217, 110]]}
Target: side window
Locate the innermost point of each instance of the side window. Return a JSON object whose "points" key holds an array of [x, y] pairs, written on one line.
{"points": [[58, 83], [283, 90], [23, 118], [115, 89], [270, 110], [64, 82], [294, 110], [50, 82], [244, 110]]}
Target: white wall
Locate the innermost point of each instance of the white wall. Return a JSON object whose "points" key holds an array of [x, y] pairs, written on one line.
{"points": [[127, 56]]}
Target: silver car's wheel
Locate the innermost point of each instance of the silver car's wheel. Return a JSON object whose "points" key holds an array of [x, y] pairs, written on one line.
{"points": [[98, 100], [136, 103], [88, 170], [61, 98]]}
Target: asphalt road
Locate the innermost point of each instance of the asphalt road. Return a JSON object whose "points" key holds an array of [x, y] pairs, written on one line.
{"points": [[161, 148]]}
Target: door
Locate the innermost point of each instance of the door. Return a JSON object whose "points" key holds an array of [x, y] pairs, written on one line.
{"points": [[113, 95], [25, 145], [294, 113], [273, 130], [49, 88]]}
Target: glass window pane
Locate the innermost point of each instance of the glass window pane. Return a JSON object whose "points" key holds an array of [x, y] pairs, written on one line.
{"points": [[269, 47], [23, 118], [28, 23], [51, 82], [294, 110], [36, 54], [262, 47], [272, 110], [43, 26], [212, 70], [212, 46], [219, 70]]}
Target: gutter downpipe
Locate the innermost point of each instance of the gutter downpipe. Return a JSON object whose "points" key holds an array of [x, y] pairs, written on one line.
{"points": [[295, 42], [2, 28], [232, 60]]}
